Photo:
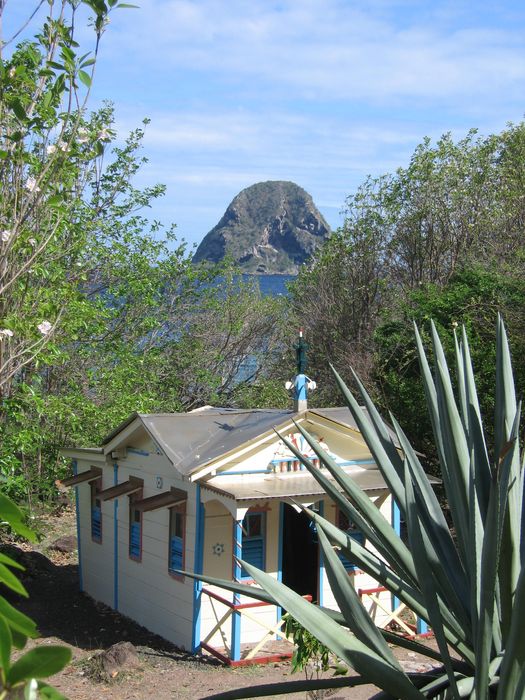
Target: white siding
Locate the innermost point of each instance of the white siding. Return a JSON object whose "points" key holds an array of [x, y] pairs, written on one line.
{"points": [[148, 593], [96, 557]]}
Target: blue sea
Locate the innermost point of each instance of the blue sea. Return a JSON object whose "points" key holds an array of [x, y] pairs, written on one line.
{"points": [[270, 285]]}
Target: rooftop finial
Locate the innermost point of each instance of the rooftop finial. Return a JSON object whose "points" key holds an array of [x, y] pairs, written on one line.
{"points": [[301, 384]]}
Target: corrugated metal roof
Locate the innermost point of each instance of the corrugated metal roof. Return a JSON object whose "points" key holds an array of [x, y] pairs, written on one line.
{"points": [[289, 485], [191, 440]]}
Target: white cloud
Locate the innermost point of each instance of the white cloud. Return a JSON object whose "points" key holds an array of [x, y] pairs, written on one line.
{"points": [[325, 48]]}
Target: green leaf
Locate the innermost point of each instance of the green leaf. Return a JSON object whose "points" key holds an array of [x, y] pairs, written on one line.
{"points": [[39, 662], [11, 581], [343, 644], [48, 692], [19, 639], [17, 620], [350, 604], [14, 517], [284, 688], [19, 111], [6, 641], [4, 559], [85, 78]]}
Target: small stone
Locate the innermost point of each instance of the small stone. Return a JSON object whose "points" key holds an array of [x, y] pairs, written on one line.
{"points": [[65, 544], [119, 657]]}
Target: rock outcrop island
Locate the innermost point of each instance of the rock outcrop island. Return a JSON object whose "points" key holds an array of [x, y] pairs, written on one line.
{"points": [[269, 228]]}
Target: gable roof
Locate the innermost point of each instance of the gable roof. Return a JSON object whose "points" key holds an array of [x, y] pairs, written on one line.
{"points": [[193, 440]]}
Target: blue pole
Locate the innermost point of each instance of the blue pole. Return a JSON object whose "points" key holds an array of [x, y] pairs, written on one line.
{"points": [[198, 567], [115, 537], [396, 524], [236, 617], [280, 556], [79, 546], [321, 561]]}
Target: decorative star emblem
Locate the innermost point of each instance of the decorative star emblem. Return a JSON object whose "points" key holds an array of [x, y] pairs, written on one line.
{"points": [[218, 549]]}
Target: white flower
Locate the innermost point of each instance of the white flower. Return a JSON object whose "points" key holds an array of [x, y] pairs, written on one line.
{"points": [[32, 242], [44, 327], [6, 331], [6, 235], [12, 72], [63, 146], [51, 149], [83, 136], [31, 185], [103, 135]]}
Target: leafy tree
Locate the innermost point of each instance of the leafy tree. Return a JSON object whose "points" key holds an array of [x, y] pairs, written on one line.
{"points": [[456, 205], [472, 298]]}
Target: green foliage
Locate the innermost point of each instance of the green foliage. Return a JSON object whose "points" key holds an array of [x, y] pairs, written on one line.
{"points": [[101, 310], [310, 655], [472, 298], [457, 205], [23, 675], [470, 586]]}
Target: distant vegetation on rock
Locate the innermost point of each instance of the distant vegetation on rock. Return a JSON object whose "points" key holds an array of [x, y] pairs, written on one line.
{"points": [[269, 228]]}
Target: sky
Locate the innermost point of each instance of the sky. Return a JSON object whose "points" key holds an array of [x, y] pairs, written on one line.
{"points": [[319, 92]]}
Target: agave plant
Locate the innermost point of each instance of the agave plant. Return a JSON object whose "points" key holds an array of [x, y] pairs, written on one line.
{"points": [[468, 586]]}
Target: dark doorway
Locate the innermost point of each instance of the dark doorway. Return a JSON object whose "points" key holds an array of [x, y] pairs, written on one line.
{"points": [[300, 564]]}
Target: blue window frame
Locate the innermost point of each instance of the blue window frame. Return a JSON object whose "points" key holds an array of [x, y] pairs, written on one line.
{"points": [[253, 541], [343, 523], [177, 539], [135, 529], [96, 512]]}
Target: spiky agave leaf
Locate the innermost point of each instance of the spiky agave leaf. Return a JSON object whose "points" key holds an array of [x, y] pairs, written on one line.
{"points": [[471, 589]]}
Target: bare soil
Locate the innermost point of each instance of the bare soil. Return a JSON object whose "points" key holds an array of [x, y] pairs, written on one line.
{"points": [[66, 616]]}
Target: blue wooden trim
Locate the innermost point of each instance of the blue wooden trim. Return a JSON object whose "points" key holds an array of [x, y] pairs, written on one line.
{"points": [[134, 451], [321, 561], [421, 626], [345, 463], [198, 566], [115, 537], [246, 471], [236, 617], [396, 524], [300, 387], [280, 544], [79, 545]]}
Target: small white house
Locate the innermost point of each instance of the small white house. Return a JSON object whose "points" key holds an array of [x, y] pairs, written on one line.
{"points": [[189, 491]]}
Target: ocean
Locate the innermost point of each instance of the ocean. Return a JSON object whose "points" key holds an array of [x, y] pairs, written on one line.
{"points": [[270, 285]]}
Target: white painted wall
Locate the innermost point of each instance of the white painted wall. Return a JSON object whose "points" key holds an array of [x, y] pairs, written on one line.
{"points": [[147, 592], [97, 558]]}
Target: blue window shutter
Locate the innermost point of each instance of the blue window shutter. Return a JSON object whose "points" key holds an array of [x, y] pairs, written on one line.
{"points": [[96, 523], [253, 552], [176, 553], [252, 549], [134, 540]]}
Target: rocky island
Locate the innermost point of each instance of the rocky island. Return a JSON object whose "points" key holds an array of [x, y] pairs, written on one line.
{"points": [[269, 228]]}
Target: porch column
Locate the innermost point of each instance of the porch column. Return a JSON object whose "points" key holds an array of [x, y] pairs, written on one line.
{"points": [[236, 617], [421, 625], [396, 524], [198, 567]]}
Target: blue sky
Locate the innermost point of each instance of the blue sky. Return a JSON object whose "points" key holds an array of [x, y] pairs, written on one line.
{"points": [[320, 92]]}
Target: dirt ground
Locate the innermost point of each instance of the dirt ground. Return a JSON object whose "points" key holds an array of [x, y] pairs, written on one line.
{"points": [[66, 616]]}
